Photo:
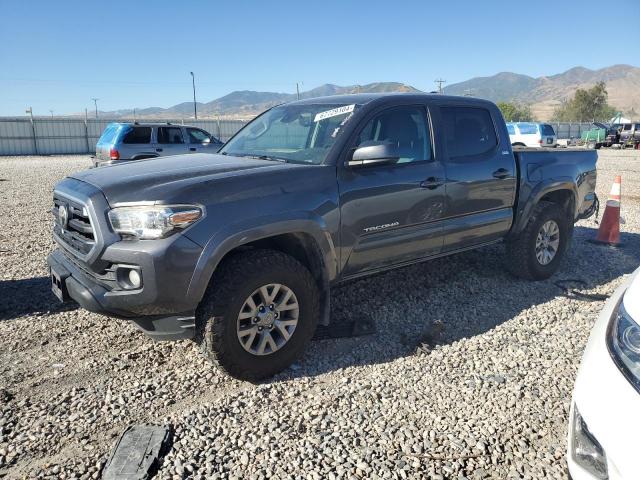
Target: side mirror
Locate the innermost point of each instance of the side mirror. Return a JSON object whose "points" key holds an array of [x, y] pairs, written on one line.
{"points": [[379, 154]]}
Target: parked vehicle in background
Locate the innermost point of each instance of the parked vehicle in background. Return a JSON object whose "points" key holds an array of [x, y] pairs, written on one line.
{"points": [[137, 141], [525, 134], [630, 135], [601, 135], [605, 409], [239, 250]]}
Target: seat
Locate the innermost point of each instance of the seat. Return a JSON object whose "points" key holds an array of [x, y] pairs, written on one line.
{"points": [[400, 129]]}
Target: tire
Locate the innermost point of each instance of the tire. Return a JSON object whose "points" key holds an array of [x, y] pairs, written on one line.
{"points": [[522, 259], [236, 280]]}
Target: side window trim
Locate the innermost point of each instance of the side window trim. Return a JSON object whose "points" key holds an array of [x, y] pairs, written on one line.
{"points": [[426, 115]]}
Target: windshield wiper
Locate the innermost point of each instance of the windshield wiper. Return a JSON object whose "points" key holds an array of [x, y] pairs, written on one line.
{"points": [[265, 157]]}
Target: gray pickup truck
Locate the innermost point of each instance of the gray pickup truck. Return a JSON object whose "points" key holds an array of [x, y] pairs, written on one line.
{"points": [[238, 250]]}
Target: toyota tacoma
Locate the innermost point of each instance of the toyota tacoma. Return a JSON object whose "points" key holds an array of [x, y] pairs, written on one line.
{"points": [[239, 250]]}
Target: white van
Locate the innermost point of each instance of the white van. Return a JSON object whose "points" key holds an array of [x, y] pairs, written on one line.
{"points": [[524, 134]]}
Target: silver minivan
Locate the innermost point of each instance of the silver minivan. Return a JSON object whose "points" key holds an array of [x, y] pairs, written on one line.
{"points": [[135, 141]]}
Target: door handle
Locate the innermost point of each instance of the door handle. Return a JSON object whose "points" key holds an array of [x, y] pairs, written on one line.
{"points": [[501, 173], [432, 183], [158, 149], [193, 149]]}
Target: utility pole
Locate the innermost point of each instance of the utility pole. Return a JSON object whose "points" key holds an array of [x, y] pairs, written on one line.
{"points": [[95, 102], [297, 91], [51, 113], [134, 114], [440, 81], [193, 81], [33, 129]]}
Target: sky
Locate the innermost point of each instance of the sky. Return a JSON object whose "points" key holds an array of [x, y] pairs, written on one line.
{"points": [[58, 55]]}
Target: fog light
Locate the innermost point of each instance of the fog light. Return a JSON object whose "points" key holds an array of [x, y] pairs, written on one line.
{"points": [[135, 279], [585, 449], [129, 278]]}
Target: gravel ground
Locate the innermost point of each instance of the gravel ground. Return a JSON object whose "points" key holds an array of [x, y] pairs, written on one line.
{"points": [[469, 375]]}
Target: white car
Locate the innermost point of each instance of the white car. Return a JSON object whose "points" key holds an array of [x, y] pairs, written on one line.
{"points": [[525, 134], [605, 410]]}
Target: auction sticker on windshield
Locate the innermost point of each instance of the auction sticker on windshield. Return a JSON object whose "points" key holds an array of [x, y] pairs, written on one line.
{"points": [[334, 112]]}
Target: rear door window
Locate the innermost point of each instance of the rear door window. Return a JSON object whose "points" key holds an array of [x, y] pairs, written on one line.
{"points": [[469, 131], [170, 135], [137, 135]]}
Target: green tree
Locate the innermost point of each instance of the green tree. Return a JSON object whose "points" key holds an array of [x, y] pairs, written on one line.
{"points": [[586, 106], [513, 112]]}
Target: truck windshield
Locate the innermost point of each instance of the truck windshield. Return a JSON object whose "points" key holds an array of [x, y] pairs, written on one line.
{"points": [[292, 133]]}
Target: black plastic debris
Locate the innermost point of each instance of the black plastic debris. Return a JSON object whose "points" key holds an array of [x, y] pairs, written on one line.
{"points": [[137, 453], [346, 328]]}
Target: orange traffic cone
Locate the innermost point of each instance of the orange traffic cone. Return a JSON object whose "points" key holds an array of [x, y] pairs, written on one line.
{"points": [[609, 231]]}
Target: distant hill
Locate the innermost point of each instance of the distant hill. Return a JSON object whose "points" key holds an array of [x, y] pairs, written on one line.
{"points": [[248, 103], [544, 94]]}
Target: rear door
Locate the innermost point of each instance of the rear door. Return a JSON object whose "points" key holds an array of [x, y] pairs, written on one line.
{"points": [[480, 175], [201, 141], [170, 141], [391, 213]]}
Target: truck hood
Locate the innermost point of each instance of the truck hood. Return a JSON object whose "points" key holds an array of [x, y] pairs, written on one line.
{"points": [[163, 178]]}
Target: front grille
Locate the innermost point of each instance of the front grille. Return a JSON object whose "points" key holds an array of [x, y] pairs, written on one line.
{"points": [[107, 277], [78, 233]]}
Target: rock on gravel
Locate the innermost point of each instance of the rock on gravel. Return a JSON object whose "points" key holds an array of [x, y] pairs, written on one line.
{"points": [[468, 376]]}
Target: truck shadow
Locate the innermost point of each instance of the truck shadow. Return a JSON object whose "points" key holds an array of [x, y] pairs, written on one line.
{"points": [[27, 297], [449, 299]]}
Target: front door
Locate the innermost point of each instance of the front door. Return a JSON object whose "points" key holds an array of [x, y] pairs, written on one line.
{"points": [[481, 178], [390, 213], [170, 141], [201, 141]]}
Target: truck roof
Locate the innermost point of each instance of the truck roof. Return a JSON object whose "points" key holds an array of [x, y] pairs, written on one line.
{"points": [[364, 98]]}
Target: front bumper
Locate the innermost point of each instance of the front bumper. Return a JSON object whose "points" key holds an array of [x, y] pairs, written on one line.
{"points": [[608, 404], [160, 307]]}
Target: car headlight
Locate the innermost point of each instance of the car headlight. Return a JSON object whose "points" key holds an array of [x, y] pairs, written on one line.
{"points": [[623, 340], [152, 221]]}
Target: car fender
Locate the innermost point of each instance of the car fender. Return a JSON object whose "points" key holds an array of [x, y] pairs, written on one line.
{"points": [[542, 188], [257, 228]]}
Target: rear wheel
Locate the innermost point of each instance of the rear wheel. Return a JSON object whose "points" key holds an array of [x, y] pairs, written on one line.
{"points": [[537, 251], [258, 315]]}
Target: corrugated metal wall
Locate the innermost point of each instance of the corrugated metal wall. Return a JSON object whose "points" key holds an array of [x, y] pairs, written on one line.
{"points": [[19, 136]]}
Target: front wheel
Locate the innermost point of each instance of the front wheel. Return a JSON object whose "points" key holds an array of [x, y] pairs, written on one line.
{"points": [[258, 314], [537, 251]]}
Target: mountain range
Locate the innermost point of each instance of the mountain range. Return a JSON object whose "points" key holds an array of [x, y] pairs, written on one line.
{"points": [[543, 94]]}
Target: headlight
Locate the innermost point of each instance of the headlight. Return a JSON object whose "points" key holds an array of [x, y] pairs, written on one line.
{"points": [[153, 221], [623, 339]]}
